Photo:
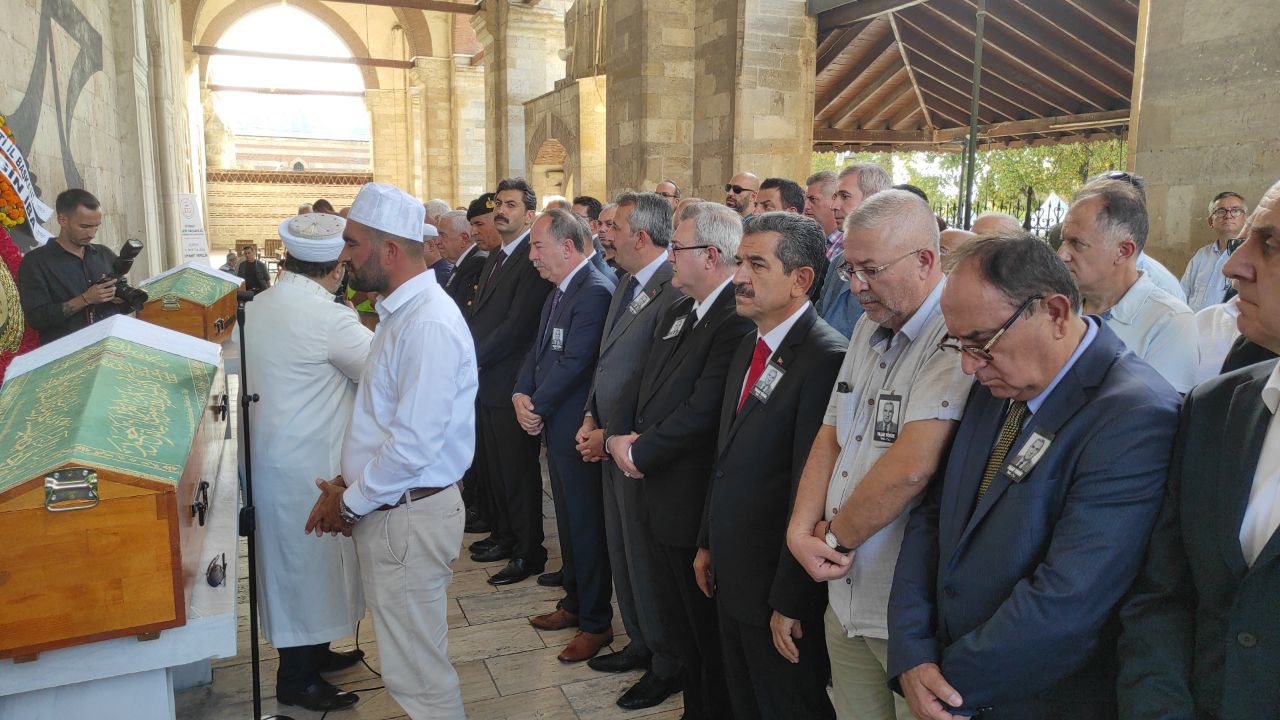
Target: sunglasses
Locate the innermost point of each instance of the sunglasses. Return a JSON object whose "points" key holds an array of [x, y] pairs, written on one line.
{"points": [[737, 189], [983, 352]]}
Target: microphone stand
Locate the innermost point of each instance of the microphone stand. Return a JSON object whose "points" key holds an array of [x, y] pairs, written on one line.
{"points": [[248, 520]]}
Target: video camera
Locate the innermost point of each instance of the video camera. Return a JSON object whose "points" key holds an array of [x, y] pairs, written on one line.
{"points": [[131, 295]]}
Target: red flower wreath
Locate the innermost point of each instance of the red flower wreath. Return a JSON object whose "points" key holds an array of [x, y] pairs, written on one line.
{"points": [[12, 259]]}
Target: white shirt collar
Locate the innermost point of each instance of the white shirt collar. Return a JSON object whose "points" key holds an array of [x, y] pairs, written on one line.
{"points": [[1033, 405], [1129, 307], [466, 253], [775, 336], [406, 292], [564, 284], [510, 248], [646, 272], [304, 283], [1271, 391], [700, 308]]}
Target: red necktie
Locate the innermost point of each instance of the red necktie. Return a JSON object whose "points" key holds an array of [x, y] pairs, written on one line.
{"points": [[759, 359]]}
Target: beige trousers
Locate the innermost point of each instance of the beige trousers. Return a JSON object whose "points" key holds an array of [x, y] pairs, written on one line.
{"points": [[405, 555], [858, 666]]}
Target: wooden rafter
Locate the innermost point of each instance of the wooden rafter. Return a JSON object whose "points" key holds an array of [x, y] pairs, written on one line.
{"points": [[1038, 125], [426, 5], [911, 73], [1110, 17], [1079, 28], [840, 85], [847, 115], [855, 12], [362, 61]]}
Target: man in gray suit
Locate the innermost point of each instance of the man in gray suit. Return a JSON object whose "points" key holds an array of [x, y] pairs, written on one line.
{"points": [[641, 233]]}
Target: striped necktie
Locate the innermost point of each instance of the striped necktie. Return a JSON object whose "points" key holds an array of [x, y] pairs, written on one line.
{"points": [[1008, 433]]}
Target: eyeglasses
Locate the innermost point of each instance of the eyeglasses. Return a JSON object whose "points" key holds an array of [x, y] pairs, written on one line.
{"points": [[983, 351], [1224, 212], [677, 248], [737, 189], [669, 196], [866, 275]]}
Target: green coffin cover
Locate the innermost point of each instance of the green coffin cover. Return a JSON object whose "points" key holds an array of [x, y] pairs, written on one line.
{"points": [[190, 284], [115, 405]]}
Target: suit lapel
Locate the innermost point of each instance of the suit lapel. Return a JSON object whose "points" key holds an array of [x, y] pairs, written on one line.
{"points": [[668, 349], [783, 357], [551, 319], [733, 389], [969, 451], [488, 288], [615, 306], [1246, 428], [652, 288]]}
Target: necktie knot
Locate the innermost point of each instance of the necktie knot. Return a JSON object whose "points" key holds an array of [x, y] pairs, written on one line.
{"points": [[1009, 431]]}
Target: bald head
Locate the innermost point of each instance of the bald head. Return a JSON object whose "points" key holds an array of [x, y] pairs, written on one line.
{"points": [[952, 239], [996, 223], [892, 240], [740, 192]]}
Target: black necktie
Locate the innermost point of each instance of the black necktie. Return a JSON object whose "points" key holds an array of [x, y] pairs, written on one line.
{"points": [[497, 266], [555, 303], [628, 294]]}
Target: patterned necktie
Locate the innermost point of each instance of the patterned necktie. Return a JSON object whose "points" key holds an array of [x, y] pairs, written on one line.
{"points": [[628, 294], [555, 303], [1008, 433], [758, 360]]}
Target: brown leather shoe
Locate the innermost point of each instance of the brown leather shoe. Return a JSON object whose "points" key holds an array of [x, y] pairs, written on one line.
{"points": [[557, 619], [584, 645]]}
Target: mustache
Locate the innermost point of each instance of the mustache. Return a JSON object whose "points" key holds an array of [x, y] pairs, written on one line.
{"points": [[500, 216], [743, 290], [868, 297]]}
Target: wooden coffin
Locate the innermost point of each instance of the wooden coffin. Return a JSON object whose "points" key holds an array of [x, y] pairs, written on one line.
{"points": [[106, 437], [194, 299]]}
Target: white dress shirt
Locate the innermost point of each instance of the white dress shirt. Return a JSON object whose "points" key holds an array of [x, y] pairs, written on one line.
{"points": [[700, 308], [1216, 330], [413, 425], [774, 338], [1262, 514], [1158, 328], [646, 272], [564, 284], [1203, 281], [1161, 276]]}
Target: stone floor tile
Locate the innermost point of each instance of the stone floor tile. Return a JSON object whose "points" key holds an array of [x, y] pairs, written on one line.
{"points": [[478, 642], [545, 704], [596, 699], [522, 600]]}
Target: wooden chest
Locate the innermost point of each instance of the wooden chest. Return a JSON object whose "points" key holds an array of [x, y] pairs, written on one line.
{"points": [[107, 440], [194, 299]]}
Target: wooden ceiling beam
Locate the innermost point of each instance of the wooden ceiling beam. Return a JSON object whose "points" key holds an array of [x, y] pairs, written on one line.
{"points": [[285, 91], [902, 121], [834, 136], [833, 45], [362, 61], [1083, 30], [986, 98], [840, 85], [424, 5], [906, 60], [1038, 125], [986, 114], [1120, 19], [847, 115], [868, 119], [852, 13]]}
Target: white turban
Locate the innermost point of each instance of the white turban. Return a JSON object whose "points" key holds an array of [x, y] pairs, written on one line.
{"points": [[430, 231], [314, 237], [389, 209]]}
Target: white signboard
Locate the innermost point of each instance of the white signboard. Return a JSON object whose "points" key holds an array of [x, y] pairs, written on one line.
{"points": [[194, 244]]}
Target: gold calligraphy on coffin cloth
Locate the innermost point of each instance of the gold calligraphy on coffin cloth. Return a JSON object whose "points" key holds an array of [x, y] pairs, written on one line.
{"points": [[114, 405], [12, 322]]}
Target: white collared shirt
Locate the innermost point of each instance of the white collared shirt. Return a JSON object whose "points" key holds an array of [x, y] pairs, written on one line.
{"points": [[510, 248], [774, 338], [1203, 281], [1161, 276], [413, 424], [1158, 328], [646, 272], [564, 284], [700, 308], [929, 384], [1216, 329], [1262, 514]]}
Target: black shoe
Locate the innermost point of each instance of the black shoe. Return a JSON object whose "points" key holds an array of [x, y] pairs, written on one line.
{"points": [[493, 553], [515, 571], [551, 579], [651, 690], [335, 661], [475, 523], [319, 697], [483, 544], [618, 662]]}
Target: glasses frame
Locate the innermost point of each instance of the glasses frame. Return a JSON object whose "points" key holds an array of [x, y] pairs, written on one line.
{"points": [[737, 189], [866, 275], [983, 352], [673, 249], [1232, 212]]}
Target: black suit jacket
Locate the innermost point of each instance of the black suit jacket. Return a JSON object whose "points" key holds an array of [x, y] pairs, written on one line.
{"points": [[674, 402], [556, 378], [1201, 634], [504, 321], [759, 456], [465, 279]]}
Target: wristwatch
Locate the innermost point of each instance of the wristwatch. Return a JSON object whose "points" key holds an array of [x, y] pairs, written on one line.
{"points": [[348, 515], [832, 543]]}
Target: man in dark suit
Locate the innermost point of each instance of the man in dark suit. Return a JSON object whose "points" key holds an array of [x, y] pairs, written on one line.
{"points": [[642, 231], [1201, 624], [504, 323], [548, 399], [1005, 595], [775, 397], [664, 432], [457, 246], [588, 208]]}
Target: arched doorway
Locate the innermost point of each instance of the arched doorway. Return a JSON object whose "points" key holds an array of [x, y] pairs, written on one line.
{"points": [[547, 172]]}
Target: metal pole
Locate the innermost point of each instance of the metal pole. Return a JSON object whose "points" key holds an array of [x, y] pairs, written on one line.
{"points": [[973, 112]]}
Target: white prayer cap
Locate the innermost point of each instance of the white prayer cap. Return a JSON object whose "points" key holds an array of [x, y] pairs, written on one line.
{"points": [[389, 209], [314, 237], [429, 230]]}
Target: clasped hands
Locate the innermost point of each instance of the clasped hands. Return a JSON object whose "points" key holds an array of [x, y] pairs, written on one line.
{"points": [[326, 514], [823, 563], [530, 421]]}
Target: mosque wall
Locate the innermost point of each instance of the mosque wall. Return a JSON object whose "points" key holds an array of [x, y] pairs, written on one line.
{"points": [[94, 93], [1205, 108], [246, 207]]}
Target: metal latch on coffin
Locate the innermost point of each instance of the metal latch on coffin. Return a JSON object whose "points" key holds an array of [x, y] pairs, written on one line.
{"points": [[74, 488]]}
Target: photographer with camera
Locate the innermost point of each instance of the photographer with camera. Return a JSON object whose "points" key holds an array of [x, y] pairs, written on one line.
{"points": [[67, 283]]}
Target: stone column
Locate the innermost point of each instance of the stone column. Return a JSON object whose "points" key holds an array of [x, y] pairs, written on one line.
{"points": [[521, 61], [390, 137], [649, 56], [469, 129], [439, 155], [1205, 106]]}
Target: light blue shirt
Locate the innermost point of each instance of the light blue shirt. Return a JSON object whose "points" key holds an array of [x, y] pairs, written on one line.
{"points": [[838, 305], [1203, 281], [1161, 276]]}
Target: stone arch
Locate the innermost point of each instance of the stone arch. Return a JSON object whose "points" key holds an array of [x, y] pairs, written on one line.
{"points": [[551, 157]]}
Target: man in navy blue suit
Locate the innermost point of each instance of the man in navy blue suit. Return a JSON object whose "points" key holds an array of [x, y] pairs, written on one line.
{"points": [[1005, 595], [549, 395]]}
